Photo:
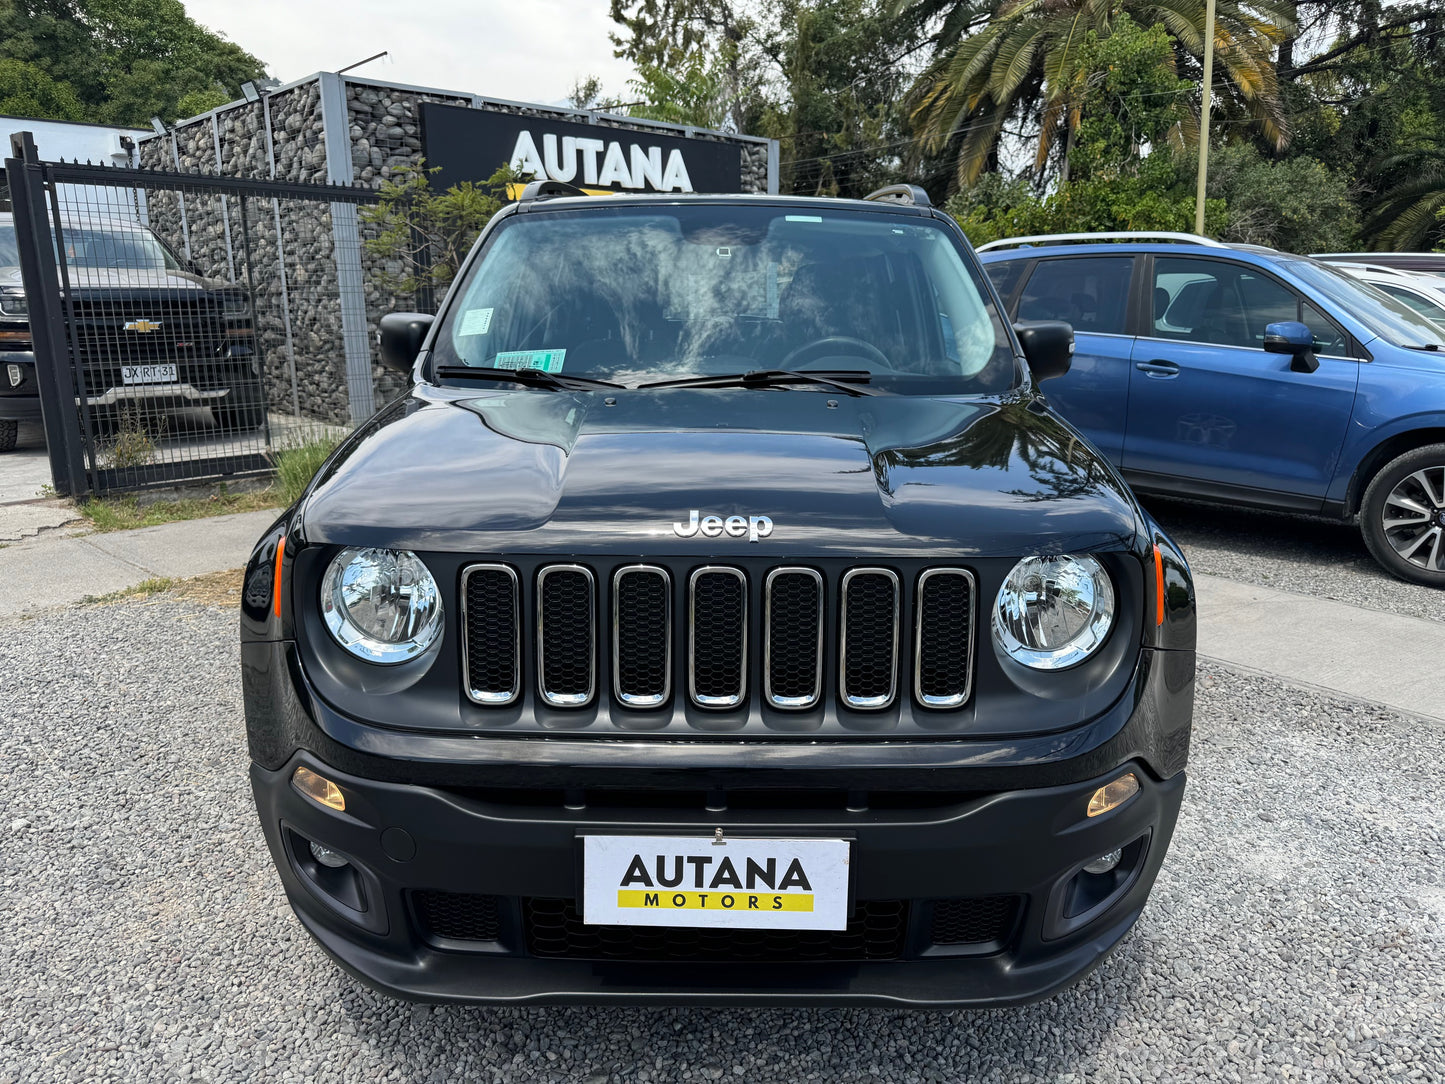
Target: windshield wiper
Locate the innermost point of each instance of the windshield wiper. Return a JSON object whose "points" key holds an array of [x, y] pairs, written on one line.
{"points": [[1427, 346], [849, 381], [536, 377]]}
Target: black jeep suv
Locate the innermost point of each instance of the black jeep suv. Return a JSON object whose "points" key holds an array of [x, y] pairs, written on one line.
{"points": [[151, 336], [722, 616]]}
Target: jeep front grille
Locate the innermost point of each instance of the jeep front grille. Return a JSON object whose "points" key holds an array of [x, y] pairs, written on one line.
{"points": [[566, 635], [718, 639], [870, 638], [492, 628]]}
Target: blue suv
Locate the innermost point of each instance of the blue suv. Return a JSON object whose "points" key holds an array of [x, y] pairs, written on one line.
{"points": [[1244, 375]]}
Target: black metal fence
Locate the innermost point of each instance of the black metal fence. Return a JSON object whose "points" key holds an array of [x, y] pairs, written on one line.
{"points": [[187, 326]]}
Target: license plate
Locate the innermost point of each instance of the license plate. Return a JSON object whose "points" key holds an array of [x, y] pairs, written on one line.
{"points": [[148, 374], [756, 884]]}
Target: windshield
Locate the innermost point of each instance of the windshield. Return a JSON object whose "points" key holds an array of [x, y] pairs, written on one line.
{"points": [[9, 253], [1390, 319], [131, 249], [641, 294]]}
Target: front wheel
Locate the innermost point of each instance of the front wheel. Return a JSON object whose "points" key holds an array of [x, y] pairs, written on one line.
{"points": [[1403, 516], [9, 433]]}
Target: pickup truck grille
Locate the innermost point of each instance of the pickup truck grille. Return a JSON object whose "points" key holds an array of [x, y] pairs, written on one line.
{"points": [[784, 638]]}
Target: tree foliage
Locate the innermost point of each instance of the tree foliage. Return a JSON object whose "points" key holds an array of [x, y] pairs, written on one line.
{"points": [[117, 61]]}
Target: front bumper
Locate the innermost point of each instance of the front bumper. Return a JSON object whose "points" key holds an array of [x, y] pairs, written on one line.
{"points": [[18, 402], [406, 842]]}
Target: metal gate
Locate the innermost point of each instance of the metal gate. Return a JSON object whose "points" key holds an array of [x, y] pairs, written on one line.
{"points": [[184, 326]]}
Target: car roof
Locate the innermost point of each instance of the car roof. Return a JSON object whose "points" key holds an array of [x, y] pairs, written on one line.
{"points": [[662, 199], [1117, 248]]}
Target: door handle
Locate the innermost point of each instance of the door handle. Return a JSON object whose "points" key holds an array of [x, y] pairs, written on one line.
{"points": [[1157, 368]]}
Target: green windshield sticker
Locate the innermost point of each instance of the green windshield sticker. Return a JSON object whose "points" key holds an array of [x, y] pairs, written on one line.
{"points": [[549, 361], [803, 218], [476, 322]]}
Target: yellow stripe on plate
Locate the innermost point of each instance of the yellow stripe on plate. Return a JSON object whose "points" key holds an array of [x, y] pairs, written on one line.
{"points": [[758, 902]]}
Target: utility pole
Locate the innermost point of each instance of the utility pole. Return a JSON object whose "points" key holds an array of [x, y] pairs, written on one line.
{"points": [[1204, 118]]}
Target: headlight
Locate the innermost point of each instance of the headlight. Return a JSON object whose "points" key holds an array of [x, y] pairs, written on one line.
{"points": [[12, 303], [381, 605], [235, 305], [1054, 612]]}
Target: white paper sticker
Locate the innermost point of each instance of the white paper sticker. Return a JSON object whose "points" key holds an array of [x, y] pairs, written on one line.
{"points": [[759, 884], [476, 322]]}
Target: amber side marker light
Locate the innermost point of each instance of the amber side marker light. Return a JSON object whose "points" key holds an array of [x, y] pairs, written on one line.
{"points": [[323, 791], [276, 577], [1158, 587], [1111, 795]]}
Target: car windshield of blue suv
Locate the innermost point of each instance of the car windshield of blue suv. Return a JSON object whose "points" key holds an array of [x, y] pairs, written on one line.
{"points": [[1391, 319], [636, 295]]}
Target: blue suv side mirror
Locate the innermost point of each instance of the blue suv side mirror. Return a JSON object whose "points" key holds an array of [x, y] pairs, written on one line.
{"points": [[1292, 337]]}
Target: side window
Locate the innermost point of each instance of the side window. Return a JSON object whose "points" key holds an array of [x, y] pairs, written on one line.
{"points": [[1328, 338], [1199, 301], [1090, 292], [1266, 302], [1005, 276]]}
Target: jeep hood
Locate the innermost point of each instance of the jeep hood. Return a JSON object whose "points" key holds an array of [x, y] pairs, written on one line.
{"points": [[550, 471]]}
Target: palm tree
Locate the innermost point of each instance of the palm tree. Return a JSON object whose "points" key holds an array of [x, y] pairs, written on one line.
{"points": [[1407, 217], [999, 59]]}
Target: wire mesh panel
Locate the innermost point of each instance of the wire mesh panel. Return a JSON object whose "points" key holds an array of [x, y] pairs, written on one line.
{"points": [[201, 320]]}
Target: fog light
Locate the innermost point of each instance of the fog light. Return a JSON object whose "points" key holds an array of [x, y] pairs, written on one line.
{"points": [[1112, 795], [325, 792], [15, 375], [1103, 864], [332, 860]]}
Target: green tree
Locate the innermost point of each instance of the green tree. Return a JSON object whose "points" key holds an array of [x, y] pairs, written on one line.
{"points": [[423, 235], [1011, 61], [28, 91], [1297, 204], [125, 61]]}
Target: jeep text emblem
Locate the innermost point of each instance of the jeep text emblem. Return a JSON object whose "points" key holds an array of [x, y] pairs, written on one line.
{"points": [[755, 527], [143, 326]]}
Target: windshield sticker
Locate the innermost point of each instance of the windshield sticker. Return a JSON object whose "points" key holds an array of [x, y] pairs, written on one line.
{"points": [[476, 322], [549, 361], [803, 218]]}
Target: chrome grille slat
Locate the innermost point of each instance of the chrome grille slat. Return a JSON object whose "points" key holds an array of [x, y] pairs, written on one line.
{"points": [[566, 635], [642, 635], [492, 634], [793, 638], [717, 647], [943, 639], [868, 635]]}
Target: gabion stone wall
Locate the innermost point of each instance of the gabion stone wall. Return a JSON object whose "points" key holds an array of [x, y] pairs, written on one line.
{"points": [[305, 372]]}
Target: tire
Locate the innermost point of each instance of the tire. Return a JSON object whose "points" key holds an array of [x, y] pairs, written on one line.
{"points": [[243, 409], [9, 434], [1402, 516]]}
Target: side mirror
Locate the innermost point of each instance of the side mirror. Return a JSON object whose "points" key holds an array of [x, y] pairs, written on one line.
{"points": [[1048, 346], [400, 336], [1292, 337]]}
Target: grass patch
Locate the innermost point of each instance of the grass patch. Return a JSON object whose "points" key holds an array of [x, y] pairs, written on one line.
{"points": [[295, 467], [145, 589]]}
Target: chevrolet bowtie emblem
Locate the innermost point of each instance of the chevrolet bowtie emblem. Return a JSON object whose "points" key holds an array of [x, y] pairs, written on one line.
{"points": [[143, 325]]}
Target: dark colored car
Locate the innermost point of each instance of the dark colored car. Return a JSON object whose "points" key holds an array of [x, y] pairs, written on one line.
{"points": [[1242, 375], [721, 617], [152, 336]]}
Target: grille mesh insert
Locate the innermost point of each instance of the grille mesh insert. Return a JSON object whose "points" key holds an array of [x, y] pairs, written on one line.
{"points": [[973, 921], [643, 636], [719, 635], [555, 929], [566, 634], [794, 615], [491, 595], [870, 616], [459, 916], [945, 634]]}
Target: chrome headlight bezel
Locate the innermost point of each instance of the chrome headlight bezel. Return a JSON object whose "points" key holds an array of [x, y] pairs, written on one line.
{"points": [[410, 578], [13, 303], [1077, 581]]}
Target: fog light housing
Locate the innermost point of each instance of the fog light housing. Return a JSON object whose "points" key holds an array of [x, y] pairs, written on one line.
{"points": [[1113, 794], [1103, 864], [319, 789], [334, 860]]}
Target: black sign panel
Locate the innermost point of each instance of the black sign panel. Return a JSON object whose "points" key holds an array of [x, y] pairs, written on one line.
{"points": [[470, 144]]}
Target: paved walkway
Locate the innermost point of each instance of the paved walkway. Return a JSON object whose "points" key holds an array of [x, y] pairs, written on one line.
{"points": [[1379, 657]]}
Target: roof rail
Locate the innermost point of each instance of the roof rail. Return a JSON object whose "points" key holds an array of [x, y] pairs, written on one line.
{"points": [[1127, 235], [901, 193], [548, 190]]}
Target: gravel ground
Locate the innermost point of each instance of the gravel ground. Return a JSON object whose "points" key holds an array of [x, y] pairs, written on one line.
{"points": [[1305, 554], [1297, 932]]}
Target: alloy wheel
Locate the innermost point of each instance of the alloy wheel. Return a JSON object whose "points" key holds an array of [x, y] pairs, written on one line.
{"points": [[1413, 518]]}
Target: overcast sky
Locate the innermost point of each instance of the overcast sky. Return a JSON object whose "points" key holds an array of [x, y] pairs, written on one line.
{"points": [[530, 50]]}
